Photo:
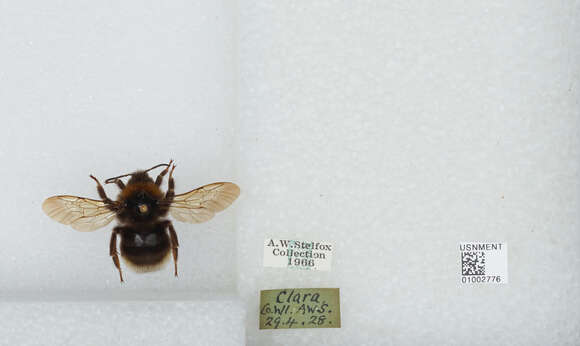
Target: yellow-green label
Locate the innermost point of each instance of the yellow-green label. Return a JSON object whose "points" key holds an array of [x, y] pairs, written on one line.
{"points": [[300, 308]]}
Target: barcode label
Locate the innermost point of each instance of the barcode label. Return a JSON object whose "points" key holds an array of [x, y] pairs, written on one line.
{"points": [[483, 263]]}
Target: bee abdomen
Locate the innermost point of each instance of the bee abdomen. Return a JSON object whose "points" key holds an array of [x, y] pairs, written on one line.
{"points": [[145, 251]]}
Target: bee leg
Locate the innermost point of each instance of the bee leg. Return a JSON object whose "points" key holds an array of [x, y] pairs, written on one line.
{"points": [[170, 186], [113, 250], [159, 179], [174, 244], [170, 193], [102, 193], [120, 184]]}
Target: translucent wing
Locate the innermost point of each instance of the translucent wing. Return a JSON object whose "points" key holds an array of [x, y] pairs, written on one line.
{"points": [[82, 214], [201, 204]]}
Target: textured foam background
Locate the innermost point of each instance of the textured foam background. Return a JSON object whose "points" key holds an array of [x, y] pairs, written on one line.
{"points": [[107, 89], [122, 323], [397, 129], [394, 130]]}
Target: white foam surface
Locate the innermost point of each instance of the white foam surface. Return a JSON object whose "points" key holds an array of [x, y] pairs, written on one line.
{"points": [[122, 323], [394, 130], [107, 88]]}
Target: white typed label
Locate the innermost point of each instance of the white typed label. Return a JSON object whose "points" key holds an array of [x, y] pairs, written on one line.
{"points": [[297, 254], [484, 263]]}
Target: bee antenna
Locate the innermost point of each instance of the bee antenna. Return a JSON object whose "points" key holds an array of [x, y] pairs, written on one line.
{"points": [[159, 165], [112, 180]]}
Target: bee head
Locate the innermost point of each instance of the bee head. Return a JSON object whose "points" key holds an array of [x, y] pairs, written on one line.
{"points": [[139, 177], [141, 205], [139, 199]]}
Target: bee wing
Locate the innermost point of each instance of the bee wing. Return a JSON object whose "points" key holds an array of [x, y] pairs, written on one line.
{"points": [[82, 214], [201, 204]]}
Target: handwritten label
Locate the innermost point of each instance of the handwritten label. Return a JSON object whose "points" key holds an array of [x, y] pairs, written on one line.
{"points": [[291, 308], [483, 263], [297, 254]]}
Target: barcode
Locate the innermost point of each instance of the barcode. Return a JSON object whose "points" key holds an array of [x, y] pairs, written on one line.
{"points": [[472, 263]]}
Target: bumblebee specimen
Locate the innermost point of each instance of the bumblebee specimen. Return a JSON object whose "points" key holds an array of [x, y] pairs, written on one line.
{"points": [[147, 237]]}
